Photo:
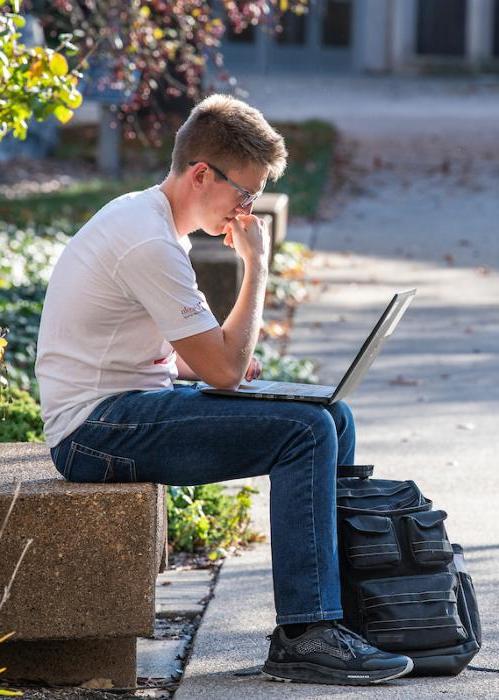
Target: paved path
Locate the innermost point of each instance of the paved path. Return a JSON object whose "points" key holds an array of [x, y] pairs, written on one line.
{"points": [[422, 210]]}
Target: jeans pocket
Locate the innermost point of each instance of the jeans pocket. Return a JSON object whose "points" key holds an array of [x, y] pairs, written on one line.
{"points": [[84, 464]]}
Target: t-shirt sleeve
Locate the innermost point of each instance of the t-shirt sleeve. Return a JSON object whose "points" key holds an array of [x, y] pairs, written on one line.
{"points": [[158, 275]]}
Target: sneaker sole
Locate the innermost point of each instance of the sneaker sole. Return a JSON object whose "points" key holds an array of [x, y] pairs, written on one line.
{"points": [[312, 673]]}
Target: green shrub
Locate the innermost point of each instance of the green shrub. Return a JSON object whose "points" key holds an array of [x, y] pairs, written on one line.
{"points": [[20, 417], [28, 257], [204, 518], [284, 368]]}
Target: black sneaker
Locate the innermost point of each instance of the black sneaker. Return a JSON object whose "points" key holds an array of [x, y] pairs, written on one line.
{"points": [[330, 653]]}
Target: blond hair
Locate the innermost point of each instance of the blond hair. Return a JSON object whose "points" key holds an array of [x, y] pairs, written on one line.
{"points": [[228, 133]]}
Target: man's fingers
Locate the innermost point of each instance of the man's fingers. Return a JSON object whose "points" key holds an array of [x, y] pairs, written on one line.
{"points": [[254, 370]]}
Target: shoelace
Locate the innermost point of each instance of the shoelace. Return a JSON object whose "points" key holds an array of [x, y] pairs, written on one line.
{"points": [[344, 636], [348, 638]]}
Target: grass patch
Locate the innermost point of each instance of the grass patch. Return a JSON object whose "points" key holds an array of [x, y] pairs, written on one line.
{"points": [[76, 203], [310, 144]]}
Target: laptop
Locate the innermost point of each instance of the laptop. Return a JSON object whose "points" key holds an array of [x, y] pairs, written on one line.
{"points": [[326, 394]]}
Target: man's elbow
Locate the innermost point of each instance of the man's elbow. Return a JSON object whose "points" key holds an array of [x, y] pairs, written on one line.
{"points": [[227, 380]]}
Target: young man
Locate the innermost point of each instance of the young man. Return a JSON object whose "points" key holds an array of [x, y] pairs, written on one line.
{"points": [[123, 319]]}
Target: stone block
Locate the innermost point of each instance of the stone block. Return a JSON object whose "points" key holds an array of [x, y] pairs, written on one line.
{"points": [[71, 661], [219, 273], [219, 270], [91, 570], [275, 205]]}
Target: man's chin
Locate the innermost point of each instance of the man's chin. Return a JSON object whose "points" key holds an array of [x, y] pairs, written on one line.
{"points": [[218, 229]]}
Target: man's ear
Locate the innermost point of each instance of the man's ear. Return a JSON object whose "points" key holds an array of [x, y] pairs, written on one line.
{"points": [[199, 174]]}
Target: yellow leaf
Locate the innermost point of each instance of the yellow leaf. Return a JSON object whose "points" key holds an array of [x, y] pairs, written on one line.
{"points": [[58, 64], [74, 99], [11, 693], [63, 114]]}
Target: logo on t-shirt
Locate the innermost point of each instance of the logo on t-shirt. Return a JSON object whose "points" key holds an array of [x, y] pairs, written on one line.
{"points": [[190, 311]]}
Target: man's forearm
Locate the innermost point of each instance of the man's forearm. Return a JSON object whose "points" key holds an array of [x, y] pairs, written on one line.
{"points": [[242, 326]]}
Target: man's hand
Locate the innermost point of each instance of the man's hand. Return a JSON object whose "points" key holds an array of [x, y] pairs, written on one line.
{"points": [[249, 236], [254, 369]]}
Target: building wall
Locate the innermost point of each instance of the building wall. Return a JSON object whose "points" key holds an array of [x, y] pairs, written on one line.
{"points": [[391, 36]]}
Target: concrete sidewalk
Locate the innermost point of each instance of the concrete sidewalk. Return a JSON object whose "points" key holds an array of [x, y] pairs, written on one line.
{"points": [[428, 409]]}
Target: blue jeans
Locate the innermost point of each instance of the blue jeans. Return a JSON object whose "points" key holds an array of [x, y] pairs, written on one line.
{"points": [[183, 437]]}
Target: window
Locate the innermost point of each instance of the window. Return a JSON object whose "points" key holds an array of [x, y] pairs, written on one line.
{"points": [[441, 27], [495, 49], [336, 22], [293, 29]]}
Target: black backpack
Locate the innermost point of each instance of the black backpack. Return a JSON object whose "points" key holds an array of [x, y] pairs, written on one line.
{"points": [[404, 586]]}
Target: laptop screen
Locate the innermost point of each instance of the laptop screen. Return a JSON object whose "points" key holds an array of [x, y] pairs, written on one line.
{"points": [[368, 352]]}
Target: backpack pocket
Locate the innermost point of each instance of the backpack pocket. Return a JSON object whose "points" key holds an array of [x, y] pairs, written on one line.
{"points": [[378, 494], [428, 541], [370, 542], [412, 612]]}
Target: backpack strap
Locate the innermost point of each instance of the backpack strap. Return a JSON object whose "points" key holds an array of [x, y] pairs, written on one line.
{"points": [[360, 471]]}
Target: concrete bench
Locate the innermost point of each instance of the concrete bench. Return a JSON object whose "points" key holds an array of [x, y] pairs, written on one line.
{"points": [[85, 589]]}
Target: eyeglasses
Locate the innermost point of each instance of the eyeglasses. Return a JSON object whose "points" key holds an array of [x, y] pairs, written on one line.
{"points": [[247, 198]]}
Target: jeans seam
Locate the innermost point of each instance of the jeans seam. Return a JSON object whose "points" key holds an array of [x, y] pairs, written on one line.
{"points": [[69, 460], [319, 595]]}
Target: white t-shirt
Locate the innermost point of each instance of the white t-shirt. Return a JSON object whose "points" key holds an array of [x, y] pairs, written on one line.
{"points": [[122, 288]]}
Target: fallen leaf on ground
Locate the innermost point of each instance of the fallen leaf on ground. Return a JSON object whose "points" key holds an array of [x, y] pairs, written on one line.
{"points": [[400, 380]]}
